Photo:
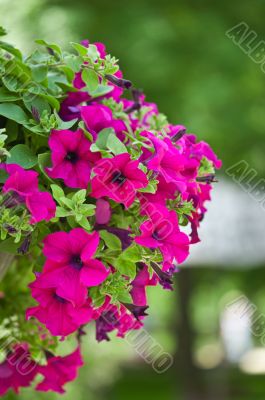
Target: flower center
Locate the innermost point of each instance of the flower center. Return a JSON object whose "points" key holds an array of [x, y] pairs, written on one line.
{"points": [[155, 235], [118, 177], [76, 262], [72, 157], [59, 299]]}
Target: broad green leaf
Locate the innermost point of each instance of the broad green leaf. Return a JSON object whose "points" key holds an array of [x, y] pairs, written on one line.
{"points": [[23, 156], [14, 112], [84, 223], [115, 145], [6, 96], [52, 46], [82, 50], [101, 142], [101, 90], [111, 241], [90, 78], [125, 267], [80, 196], [61, 212], [57, 193], [39, 72]]}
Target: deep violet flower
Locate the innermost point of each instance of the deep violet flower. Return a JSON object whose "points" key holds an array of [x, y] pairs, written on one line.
{"points": [[59, 371], [17, 370], [72, 159], [59, 315], [109, 317], [161, 231], [25, 184], [70, 266], [118, 178]]}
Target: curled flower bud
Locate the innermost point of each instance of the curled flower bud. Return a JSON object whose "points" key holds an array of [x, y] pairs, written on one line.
{"points": [[164, 278], [35, 114], [122, 83], [207, 179], [137, 311], [24, 248]]}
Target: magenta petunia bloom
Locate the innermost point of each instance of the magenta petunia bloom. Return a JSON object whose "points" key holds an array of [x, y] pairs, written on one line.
{"points": [[25, 184], [41, 206], [59, 315], [103, 212], [21, 181], [17, 370], [161, 231], [59, 371], [139, 284], [98, 117], [72, 159], [70, 266], [167, 161], [118, 178]]}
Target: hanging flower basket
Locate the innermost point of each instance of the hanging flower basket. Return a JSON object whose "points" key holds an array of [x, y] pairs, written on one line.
{"points": [[101, 197]]}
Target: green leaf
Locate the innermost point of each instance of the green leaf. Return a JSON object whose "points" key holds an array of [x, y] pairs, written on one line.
{"points": [[101, 142], [39, 72], [14, 112], [44, 161], [6, 96], [23, 156], [52, 46], [125, 267], [62, 212], [73, 62], [111, 241], [82, 50], [80, 196], [68, 202], [90, 78], [57, 193], [84, 223], [101, 90], [115, 145]]}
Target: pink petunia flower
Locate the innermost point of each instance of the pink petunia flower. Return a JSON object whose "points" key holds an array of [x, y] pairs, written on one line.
{"points": [[25, 184], [118, 178], [59, 315], [17, 370], [103, 212], [59, 371], [161, 231], [139, 284], [98, 117], [72, 159], [70, 265]]}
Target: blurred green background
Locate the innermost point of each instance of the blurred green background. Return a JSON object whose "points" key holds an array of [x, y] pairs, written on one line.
{"points": [[178, 52]]}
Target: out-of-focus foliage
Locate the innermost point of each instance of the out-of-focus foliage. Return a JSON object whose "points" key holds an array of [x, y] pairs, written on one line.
{"points": [[202, 79]]}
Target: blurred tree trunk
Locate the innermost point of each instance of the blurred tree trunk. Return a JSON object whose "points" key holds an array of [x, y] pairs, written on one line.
{"points": [[187, 374]]}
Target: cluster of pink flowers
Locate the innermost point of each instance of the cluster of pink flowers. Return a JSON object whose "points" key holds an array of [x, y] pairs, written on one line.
{"points": [[145, 178], [22, 185], [19, 370]]}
